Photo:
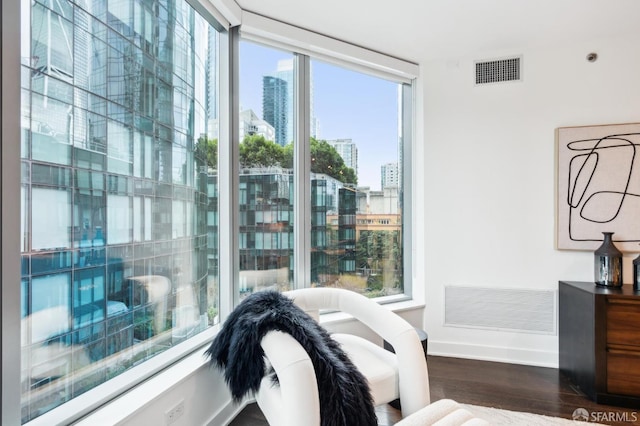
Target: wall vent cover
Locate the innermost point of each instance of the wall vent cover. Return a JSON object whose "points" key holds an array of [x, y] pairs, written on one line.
{"points": [[529, 311], [499, 70]]}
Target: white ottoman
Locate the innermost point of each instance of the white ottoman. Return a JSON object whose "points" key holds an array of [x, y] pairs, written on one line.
{"points": [[444, 412]]}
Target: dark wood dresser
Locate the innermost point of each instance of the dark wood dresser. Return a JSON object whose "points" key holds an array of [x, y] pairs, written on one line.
{"points": [[599, 341]]}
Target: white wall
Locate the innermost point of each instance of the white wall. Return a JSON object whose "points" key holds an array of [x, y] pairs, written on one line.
{"points": [[204, 394], [489, 179]]}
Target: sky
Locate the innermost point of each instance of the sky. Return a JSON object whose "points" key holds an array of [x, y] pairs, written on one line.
{"points": [[348, 105]]}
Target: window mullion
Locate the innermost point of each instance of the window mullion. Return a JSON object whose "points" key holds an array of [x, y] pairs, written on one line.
{"points": [[228, 174], [302, 172], [10, 266], [406, 102]]}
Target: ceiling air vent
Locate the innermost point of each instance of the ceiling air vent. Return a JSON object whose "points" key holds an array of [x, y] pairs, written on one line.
{"points": [[499, 70]]}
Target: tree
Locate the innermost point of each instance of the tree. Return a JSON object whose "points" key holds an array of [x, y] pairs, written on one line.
{"points": [[325, 159], [362, 250], [348, 175], [287, 160], [376, 247], [207, 152], [256, 151]]}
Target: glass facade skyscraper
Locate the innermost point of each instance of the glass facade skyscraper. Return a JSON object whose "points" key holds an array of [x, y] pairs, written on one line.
{"points": [[114, 204], [275, 106], [285, 73]]}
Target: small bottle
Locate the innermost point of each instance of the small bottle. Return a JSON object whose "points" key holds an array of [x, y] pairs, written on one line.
{"points": [[608, 263]]}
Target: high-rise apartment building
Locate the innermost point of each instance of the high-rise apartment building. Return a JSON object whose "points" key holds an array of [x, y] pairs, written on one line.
{"points": [[280, 98], [275, 107], [348, 151], [251, 124], [389, 175]]}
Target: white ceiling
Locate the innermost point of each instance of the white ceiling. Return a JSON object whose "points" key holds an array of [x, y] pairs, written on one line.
{"points": [[419, 30]]}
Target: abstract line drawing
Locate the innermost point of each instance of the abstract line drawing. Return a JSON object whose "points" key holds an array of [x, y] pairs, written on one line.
{"points": [[598, 186]]}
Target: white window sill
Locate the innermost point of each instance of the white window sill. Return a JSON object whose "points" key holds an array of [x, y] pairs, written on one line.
{"points": [[135, 399], [394, 303]]}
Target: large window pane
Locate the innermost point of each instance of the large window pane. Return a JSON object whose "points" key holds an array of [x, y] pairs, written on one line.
{"points": [[356, 182], [51, 223], [266, 174], [119, 262]]}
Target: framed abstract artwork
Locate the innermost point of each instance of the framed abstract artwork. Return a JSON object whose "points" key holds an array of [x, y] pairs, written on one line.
{"points": [[598, 186]]}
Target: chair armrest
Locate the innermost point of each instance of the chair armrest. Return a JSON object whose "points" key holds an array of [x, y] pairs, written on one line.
{"points": [[297, 389], [413, 378]]}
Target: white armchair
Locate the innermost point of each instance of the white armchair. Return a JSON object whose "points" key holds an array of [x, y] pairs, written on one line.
{"points": [[402, 374]]}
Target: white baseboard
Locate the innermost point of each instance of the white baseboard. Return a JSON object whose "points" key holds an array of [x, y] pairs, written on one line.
{"points": [[494, 353], [228, 412]]}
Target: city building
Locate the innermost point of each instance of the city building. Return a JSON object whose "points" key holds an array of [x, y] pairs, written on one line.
{"points": [[273, 95], [266, 228], [348, 151], [275, 107], [385, 202], [251, 124], [114, 266], [389, 175]]}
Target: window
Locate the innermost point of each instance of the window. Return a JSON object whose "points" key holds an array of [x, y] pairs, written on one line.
{"points": [[355, 117], [266, 140], [120, 212], [119, 102], [355, 158]]}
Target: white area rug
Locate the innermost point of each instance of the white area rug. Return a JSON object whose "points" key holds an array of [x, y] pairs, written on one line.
{"points": [[496, 416]]}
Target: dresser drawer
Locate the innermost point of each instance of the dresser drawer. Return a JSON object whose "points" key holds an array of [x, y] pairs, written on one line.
{"points": [[623, 321], [623, 372]]}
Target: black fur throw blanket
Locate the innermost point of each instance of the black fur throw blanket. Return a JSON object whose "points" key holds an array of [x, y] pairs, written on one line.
{"points": [[345, 398]]}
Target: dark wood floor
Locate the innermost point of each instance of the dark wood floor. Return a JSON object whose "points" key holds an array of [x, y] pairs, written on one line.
{"points": [[508, 386]]}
